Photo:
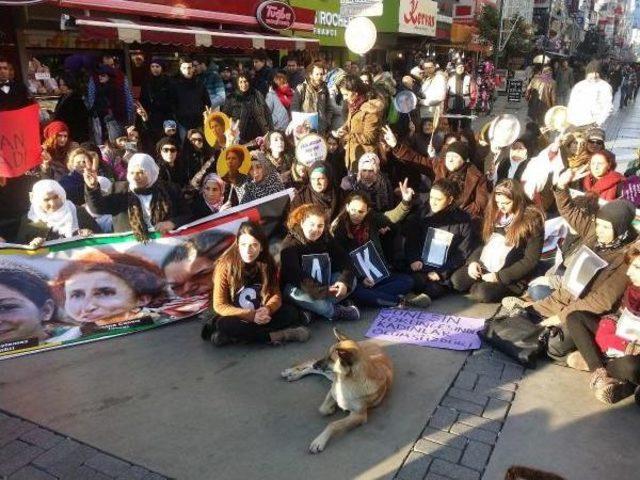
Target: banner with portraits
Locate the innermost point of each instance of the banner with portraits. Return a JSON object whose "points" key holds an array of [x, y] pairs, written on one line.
{"points": [[80, 290]]}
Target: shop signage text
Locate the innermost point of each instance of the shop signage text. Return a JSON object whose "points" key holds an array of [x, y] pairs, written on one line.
{"points": [[327, 23], [275, 15], [418, 17]]}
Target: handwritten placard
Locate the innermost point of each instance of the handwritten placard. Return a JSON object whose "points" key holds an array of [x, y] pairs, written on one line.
{"points": [[426, 329], [19, 140]]}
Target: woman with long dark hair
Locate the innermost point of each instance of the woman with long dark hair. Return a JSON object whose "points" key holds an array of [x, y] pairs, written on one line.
{"points": [[246, 295], [513, 235], [195, 153], [247, 105]]}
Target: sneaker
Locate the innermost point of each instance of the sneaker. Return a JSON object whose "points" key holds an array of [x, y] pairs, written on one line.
{"points": [[599, 378], [220, 339], [349, 314], [576, 361], [614, 391], [513, 304], [420, 300]]}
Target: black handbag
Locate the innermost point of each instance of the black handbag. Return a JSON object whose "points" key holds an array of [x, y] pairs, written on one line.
{"points": [[517, 337]]}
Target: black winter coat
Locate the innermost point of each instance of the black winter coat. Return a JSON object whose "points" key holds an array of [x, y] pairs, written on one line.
{"points": [[188, 99], [72, 110], [253, 113]]}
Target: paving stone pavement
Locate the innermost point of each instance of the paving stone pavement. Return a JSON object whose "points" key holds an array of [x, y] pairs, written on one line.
{"points": [[31, 452], [462, 431]]}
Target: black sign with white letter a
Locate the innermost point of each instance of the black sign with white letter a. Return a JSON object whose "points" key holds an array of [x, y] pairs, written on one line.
{"points": [[317, 267], [369, 263]]}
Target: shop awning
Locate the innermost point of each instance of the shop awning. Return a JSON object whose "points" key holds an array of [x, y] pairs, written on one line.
{"points": [[142, 32]]}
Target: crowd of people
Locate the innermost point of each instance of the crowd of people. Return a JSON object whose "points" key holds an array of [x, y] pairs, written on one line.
{"points": [[447, 209]]}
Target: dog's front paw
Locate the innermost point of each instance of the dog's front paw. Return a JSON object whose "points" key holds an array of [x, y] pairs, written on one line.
{"points": [[292, 374], [327, 409], [318, 444]]}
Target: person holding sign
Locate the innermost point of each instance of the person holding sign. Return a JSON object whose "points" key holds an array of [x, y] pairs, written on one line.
{"points": [[456, 166], [315, 270], [608, 346], [246, 295], [587, 285], [513, 235], [357, 228], [439, 245]]}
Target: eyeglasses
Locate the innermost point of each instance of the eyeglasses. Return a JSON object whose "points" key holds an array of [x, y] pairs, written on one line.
{"points": [[170, 150], [197, 139]]}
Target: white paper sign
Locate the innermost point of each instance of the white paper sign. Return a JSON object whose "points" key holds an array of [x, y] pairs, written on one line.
{"points": [[436, 247], [310, 149], [584, 265], [494, 254], [628, 326]]}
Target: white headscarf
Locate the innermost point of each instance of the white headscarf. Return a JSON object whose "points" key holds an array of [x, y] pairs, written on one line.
{"points": [[64, 221], [368, 160], [147, 163]]}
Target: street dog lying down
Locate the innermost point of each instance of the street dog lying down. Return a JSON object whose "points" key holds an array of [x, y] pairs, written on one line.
{"points": [[361, 374]]}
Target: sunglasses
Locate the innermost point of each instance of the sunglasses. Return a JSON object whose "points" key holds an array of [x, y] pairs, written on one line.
{"points": [[170, 150], [596, 142], [197, 139]]}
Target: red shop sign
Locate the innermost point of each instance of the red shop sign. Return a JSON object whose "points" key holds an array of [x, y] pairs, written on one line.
{"points": [[275, 15]]}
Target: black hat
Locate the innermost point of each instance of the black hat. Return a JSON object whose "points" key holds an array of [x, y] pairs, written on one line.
{"points": [[620, 213], [460, 148]]}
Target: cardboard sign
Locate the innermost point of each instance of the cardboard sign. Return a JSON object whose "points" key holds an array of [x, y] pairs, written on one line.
{"points": [[426, 329], [584, 265], [317, 267], [19, 140], [628, 326], [436, 247], [248, 297], [310, 149], [369, 263]]}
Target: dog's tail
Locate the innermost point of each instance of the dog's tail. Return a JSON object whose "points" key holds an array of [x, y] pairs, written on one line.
{"points": [[517, 472]]}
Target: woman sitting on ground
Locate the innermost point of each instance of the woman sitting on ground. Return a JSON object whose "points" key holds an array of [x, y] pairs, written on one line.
{"points": [[456, 166], [264, 179], [371, 181], [58, 144], [359, 223], [51, 216], [320, 191], [513, 235], [73, 182], [448, 231], [614, 360], [603, 180], [314, 289], [246, 295], [142, 203]]}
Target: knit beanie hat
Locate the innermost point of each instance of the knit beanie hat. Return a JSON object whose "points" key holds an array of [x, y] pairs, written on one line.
{"points": [[460, 148], [620, 213], [593, 67]]}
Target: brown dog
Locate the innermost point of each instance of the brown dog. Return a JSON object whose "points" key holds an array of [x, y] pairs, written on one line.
{"points": [[361, 374]]}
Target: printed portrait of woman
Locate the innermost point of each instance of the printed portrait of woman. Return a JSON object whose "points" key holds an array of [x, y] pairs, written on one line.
{"points": [[234, 160], [106, 287], [26, 304]]}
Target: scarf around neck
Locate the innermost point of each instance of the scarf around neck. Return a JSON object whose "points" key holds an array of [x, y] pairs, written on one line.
{"points": [[356, 104], [631, 299]]}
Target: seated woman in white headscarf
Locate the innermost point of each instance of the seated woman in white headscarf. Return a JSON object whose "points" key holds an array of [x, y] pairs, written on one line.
{"points": [[141, 203], [51, 216], [264, 179], [105, 222], [372, 181]]}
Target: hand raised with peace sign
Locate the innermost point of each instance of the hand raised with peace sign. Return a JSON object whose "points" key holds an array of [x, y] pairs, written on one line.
{"points": [[232, 133], [389, 137], [406, 191], [90, 173]]}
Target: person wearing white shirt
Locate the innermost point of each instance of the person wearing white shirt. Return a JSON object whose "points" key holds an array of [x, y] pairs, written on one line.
{"points": [[591, 100], [434, 89]]}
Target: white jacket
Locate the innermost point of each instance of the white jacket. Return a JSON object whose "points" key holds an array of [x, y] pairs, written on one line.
{"points": [[590, 102], [434, 91]]}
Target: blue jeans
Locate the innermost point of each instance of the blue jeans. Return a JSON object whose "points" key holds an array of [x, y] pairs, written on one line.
{"points": [[386, 293], [539, 292], [323, 306]]}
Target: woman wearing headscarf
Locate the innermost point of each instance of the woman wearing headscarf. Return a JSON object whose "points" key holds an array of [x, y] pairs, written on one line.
{"points": [[142, 203], [51, 216], [210, 198], [247, 105], [320, 191], [296, 177], [264, 179], [371, 181], [362, 128], [57, 145]]}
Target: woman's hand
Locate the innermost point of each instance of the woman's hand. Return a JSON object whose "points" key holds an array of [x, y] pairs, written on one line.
{"points": [[389, 137], [262, 316], [434, 276], [431, 151], [85, 232], [406, 191], [490, 278], [367, 282], [233, 133], [90, 178], [338, 289], [565, 178], [339, 133], [36, 242], [46, 159], [142, 113], [164, 227], [475, 270], [416, 266]]}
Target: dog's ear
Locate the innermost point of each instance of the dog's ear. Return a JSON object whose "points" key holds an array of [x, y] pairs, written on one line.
{"points": [[347, 356], [339, 335]]}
